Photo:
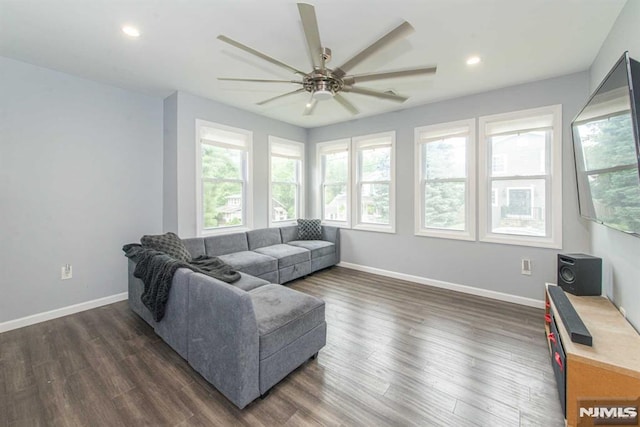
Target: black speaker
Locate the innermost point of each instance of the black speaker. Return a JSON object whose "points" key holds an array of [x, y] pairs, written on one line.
{"points": [[580, 274]]}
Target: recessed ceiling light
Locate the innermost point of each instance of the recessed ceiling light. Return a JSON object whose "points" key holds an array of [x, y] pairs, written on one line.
{"points": [[131, 31], [473, 60]]}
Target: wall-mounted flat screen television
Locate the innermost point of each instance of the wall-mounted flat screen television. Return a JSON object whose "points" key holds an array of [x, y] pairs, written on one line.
{"points": [[607, 150]]}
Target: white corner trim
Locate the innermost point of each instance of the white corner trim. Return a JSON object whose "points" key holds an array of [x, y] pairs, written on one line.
{"points": [[60, 312], [501, 296]]}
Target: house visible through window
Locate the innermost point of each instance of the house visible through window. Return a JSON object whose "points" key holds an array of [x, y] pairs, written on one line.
{"points": [[499, 164], [522, 177], [519, 202], [224, 190], [286, 191]]}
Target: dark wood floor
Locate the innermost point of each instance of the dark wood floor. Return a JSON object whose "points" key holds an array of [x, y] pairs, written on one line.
{"points": [[397, 353]]}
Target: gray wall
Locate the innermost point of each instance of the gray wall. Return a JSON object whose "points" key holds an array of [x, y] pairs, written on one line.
{"points": [[484, 265], [180, 192], [620, 252], [170, 164], [80, 175]]}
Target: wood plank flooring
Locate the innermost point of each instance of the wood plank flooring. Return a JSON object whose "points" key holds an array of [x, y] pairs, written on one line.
{"points": [[397, 353]]}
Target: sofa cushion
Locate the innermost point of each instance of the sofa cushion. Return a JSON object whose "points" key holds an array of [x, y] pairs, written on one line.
{"points": [[226, 244], [283, 315], [251, 262], [169, 243], [289, 233], [263, 237], [195, 246], [248, 282], [318, 248], [286, 254]]}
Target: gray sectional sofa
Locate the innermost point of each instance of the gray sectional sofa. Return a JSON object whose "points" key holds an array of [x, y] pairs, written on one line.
{"points": [[246, 336]]}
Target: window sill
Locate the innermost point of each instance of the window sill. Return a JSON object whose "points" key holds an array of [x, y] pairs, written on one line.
{"points": [[445, 235], [225, 230], [277, 224], [339, 224], [375, 228], [539, 242]]}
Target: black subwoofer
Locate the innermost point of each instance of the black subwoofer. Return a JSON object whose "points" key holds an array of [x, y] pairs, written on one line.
{"points": [[580, 274]]}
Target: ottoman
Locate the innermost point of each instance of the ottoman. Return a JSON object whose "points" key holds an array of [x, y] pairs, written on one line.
{"points": [[291, 329]]}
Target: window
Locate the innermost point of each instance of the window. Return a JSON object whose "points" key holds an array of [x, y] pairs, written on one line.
{"points": [[286, 170], [521, 177], [334, 162], [445, 189], [374, 182], [224, 186]]}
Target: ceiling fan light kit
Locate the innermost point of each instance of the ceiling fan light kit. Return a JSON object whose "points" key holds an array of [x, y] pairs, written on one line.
{"points": [[321, 93], [325, 83]]}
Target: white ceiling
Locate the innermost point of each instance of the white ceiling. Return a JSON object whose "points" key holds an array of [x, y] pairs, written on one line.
{"points": [[518, 40]]}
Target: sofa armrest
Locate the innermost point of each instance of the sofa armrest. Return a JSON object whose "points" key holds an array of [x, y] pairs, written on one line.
{"points": [[223, 344], [332, 234]]}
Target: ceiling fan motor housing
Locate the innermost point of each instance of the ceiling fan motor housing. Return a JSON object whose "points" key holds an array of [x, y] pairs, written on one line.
{"points": [[322, 84]]}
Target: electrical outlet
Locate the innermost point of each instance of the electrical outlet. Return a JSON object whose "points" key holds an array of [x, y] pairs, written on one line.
{"points": [[623, 312], [66, 272], [526, 266]]}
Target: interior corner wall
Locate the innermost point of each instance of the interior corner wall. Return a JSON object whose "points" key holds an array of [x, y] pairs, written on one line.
{"points": [[620, 252], [191, 107], [80, 176], [170, 164], [494, 267]]}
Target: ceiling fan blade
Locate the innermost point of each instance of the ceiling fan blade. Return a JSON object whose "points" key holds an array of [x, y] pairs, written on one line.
{"points": [[280, 96], [312, 34], [259, 54], [346, 104], [229, 79], [397, 33], [375, 93], [308, 109], [369, 77]]}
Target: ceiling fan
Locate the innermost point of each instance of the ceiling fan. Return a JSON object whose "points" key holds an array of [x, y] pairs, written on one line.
{"points": [[324, 82]]}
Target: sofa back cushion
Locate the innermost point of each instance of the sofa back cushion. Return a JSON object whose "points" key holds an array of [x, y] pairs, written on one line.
{"points": [[226, 244], [289, 233], [263, 237], [195, 246]]}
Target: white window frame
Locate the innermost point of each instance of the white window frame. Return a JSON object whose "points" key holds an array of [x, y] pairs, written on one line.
{"points": [[447, 129], [553, 177], [300, 187], [361, 143], [324, 148], [247, 209]]}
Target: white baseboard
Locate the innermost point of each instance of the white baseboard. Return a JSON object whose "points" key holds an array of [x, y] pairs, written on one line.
{"points": [[530, 302], [60, 312]]}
